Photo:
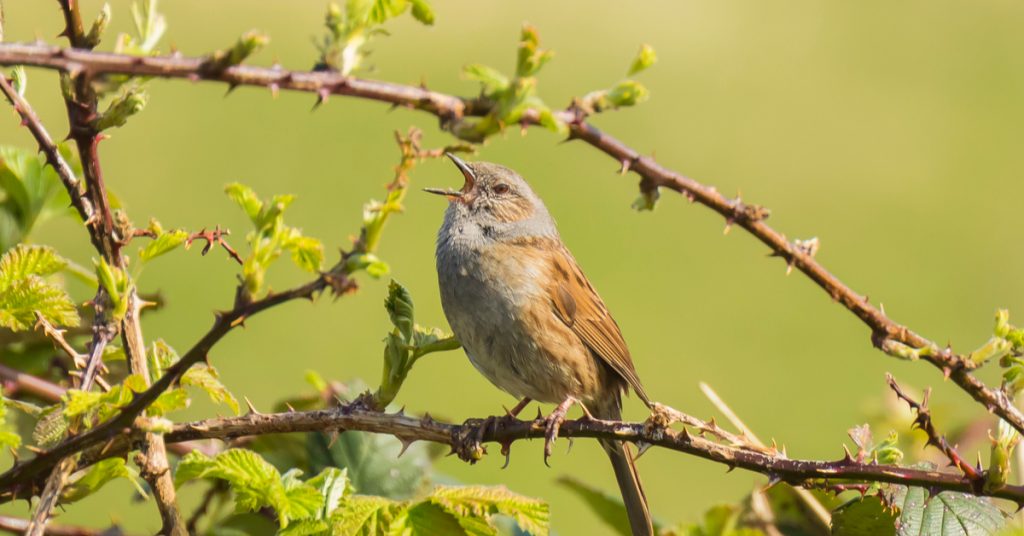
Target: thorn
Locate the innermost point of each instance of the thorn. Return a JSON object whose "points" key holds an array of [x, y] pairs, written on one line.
{"points": [[275, 90], [405, 445], [333, 434], [540, 416], [290, 408], [641, 448], [569, 448], [847, 455], [789, 267], [728, 226], [252, 408], [624, 167]]}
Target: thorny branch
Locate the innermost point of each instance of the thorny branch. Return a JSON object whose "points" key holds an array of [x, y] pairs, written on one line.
{"points": [[923, 420], [887, 334], [212, 238], [657, 431], [26, 473]]}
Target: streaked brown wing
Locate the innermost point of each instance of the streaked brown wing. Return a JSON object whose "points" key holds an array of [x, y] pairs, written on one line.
{"points": [[578, 305]]}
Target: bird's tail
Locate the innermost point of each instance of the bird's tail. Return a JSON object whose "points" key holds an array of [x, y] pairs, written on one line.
{"points": [[632, 491]]}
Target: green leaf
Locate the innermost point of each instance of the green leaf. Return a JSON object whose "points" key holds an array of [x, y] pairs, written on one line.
{"points": [[644, 59], [117, 284], [422, 11], [382, 10], [19, 80], [307, 253], [90, 480], [627, 93], [333, 485], [372, 461], [608, 508], [426, 519], [205, 377], [363, 515], [20, 302], [491, 79], [946, 514], [168, 401], [245, 198], [50, 428], [531, 57], [159, 358], [8, 437], [866, 516], [24, 260], [128, 103], [469, 504], [162, 244], [304, 527], [400, 308]]}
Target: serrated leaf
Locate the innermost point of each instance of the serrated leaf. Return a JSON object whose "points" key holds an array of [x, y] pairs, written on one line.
{"points": [[300, 501], [205, 377], [90, 480], [163, 243], [159, 357], [644, 59], [426, 519], [866, 516], [307, 253], [20, 302], [470, 503], [947, 514], [374, 467], [363, 515], [333, 485], [305, 527], [491, 79], [246, 198], [50, 428], [168, 401], [401, 310], [23, 261]]}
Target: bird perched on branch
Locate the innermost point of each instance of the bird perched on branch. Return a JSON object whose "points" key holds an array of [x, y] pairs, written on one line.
{"points": [[528, 318]]}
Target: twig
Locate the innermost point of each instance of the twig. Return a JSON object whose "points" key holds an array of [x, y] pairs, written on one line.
{"points": [[16, 525], [152, 460], [451, 109], [50, 151], [51, 392], [214, 237], [923, 420], [461, 438], [28, 471], [822, 514]]}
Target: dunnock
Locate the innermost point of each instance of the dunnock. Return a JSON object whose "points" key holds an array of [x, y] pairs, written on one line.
{"points": [[528, 318]]}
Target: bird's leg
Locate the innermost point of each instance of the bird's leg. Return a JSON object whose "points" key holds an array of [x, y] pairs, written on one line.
{"points": [[518, 408], [510, 416], [553, 422]]}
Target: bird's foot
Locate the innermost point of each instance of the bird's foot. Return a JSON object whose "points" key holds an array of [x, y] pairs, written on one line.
{"points": [[553, 423]]}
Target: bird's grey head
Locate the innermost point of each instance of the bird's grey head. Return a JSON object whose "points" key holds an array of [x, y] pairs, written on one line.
{"points": [[494, 204]]}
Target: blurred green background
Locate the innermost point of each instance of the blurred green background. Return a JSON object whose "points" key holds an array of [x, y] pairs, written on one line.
{"points": [[890, 130]]}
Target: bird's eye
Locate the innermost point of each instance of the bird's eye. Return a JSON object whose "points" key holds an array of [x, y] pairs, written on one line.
{"points": [[501, 189]]}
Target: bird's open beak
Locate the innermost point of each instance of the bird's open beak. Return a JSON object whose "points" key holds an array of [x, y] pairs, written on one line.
{"points": [[467, 172]]}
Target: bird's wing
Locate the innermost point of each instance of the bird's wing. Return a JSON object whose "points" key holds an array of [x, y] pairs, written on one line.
{"points": [[578, 305]]}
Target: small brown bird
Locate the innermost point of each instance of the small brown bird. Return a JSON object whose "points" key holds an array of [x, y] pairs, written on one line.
{"points": [[528, 318]]}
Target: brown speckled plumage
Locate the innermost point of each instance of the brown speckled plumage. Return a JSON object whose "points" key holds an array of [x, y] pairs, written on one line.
{"points": [[527, 316]]}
